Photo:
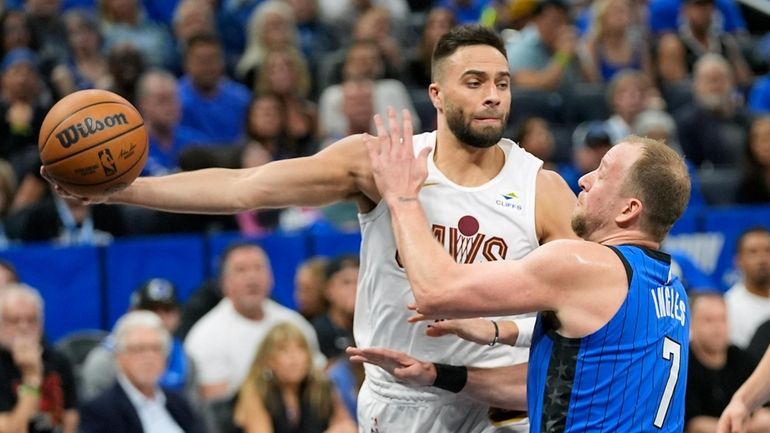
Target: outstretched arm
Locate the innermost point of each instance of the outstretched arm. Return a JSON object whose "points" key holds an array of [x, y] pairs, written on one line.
{"points": [[339, 172], [503, 387], [479, 331], [751, 395]]}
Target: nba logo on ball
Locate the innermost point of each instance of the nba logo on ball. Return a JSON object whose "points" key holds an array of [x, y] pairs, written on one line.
{"points": [[108, 164], [93, 142]]}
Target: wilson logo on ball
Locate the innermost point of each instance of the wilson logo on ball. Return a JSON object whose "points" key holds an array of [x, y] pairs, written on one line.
{"points": [[72, 134]]}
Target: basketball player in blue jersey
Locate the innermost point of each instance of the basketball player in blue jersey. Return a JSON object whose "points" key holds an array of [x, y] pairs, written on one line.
{"points": [[610, 348], [487, 199]]}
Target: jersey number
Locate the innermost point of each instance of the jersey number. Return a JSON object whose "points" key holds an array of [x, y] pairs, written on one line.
{"points": [[671, 351]]}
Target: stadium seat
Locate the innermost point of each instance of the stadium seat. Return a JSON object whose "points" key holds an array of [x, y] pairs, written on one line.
{"points": [[587, 102], [527, 103], [677, 95], [719, 185], [76, 346]]}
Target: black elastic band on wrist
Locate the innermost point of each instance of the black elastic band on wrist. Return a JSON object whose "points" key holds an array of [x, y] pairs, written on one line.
{"points": [[497, 334], [450, 377]]}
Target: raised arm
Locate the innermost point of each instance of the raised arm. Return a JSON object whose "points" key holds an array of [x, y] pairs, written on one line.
{"points": [[503, 387], [559, 274], [339, 172]]}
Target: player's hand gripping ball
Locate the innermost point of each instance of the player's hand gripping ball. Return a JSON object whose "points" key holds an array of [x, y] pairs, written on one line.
{"points": [[93, 142]]}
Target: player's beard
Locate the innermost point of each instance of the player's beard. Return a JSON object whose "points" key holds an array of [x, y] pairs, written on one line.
{"points": [[581, 225], [462, 128]]}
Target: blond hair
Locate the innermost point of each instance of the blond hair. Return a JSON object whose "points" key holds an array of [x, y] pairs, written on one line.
{"points": [[255, 48], [659, 178], [298, 66], [260, 385]]}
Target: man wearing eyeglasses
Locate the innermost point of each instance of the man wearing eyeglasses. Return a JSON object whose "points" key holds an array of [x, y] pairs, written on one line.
{"points": [[37, 387]]}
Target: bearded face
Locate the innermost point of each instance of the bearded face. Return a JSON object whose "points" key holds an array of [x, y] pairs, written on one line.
{"points": [[480, 136]]}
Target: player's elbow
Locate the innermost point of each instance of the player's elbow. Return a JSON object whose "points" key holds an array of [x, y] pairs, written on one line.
{"points": [[438, 297]]}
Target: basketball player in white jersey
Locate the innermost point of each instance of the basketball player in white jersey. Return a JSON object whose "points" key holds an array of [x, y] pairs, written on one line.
{"points": [[485, 197]]}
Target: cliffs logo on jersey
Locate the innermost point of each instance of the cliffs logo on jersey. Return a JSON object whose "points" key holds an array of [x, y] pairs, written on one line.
{"points": [[465, 243], [510, 200]]}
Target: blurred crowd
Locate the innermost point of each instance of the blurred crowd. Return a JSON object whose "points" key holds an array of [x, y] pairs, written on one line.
{"points": [[240, 83], [230, 359]]}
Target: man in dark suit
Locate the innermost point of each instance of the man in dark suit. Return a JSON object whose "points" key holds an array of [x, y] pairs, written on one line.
{"points": [[136, 403]]}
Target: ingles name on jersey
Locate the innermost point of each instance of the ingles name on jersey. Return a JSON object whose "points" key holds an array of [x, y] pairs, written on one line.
{"points": [[668, 304], [465, 243]]}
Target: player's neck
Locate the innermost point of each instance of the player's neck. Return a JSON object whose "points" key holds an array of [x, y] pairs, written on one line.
{"points": [[253, 313], [463, 164], [624, 237]]}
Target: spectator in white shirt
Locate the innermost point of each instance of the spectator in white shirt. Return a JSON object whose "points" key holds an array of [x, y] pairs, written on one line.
{"points": [[748, 301], [222, 344]]}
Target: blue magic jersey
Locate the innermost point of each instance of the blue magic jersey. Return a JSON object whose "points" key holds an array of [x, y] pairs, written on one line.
{"points": [[630, 375]]}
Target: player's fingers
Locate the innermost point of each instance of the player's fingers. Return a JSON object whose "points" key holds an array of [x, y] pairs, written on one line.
{"points": [[385, 355], [395, 132], [372, 147], [433, 331], [737, 425], [358, 359], [382, 135], [352, 351], [44, 173], [418, 318], [406, 115], [422, 159]]}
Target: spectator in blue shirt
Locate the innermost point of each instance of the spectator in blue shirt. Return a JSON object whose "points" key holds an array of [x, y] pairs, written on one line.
{"points": [[212, 104], [158, 101]]}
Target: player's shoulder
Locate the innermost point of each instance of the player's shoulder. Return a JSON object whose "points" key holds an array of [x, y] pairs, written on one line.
{"points": [[575, 253], [551, 181]]}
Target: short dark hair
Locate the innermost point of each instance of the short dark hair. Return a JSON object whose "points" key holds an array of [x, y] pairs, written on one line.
{"points": [[202, 39], [543, 5], [747, 232], [339, 263], [234, 246], [464, 36]]}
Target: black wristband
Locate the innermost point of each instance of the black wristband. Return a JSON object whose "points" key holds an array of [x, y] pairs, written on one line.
{"points": [[450, 377]]}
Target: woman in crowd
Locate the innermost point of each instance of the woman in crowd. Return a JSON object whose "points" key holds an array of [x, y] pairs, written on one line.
{"points": [[285, 74], [613, 43], [87, 67], [283, 393]]}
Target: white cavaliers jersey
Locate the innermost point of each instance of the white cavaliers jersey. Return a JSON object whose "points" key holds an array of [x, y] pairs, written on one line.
{"points": [[494, 221]]}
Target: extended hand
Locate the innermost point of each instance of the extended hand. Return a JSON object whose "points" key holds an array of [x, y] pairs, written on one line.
{"points": [[66, 194], [400, 365], [734, 418], [479, 331], [399, 175]]}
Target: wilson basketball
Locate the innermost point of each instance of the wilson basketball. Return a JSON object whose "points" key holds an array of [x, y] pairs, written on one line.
{"points": [[93, 142]]}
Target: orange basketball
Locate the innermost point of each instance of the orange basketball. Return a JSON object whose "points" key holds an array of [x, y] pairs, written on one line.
{"points": [[93, 142]]}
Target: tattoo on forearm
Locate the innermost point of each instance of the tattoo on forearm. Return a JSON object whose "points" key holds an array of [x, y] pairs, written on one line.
{"points": [[407, 199]]}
